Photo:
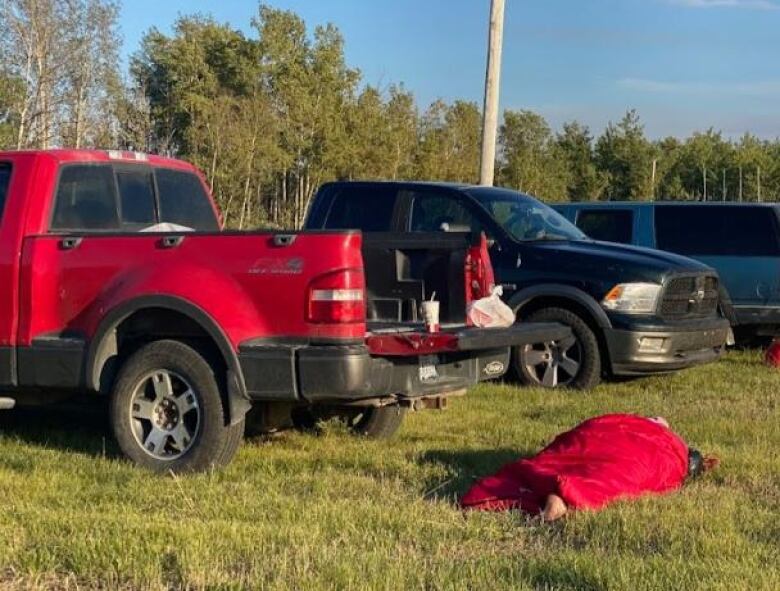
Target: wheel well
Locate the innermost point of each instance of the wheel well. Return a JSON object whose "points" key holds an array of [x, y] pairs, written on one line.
{"points": [[541, 302], [153, 324]]}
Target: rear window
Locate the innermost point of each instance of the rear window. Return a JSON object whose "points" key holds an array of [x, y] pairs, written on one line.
{"points": [[359, 208], [136, 197], [184, 201], [432, 212], [614, 225], [5, 181], [716, 230], [86, 199]]}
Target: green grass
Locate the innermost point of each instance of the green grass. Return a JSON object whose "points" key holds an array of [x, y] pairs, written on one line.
{"points": [[307, 512]]}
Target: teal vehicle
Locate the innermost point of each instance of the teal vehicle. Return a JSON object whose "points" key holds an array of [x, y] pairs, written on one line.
{"points": [[741, 241]]}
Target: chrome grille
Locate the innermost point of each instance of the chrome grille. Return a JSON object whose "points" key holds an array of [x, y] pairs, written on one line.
{"points": [[694, 296]]}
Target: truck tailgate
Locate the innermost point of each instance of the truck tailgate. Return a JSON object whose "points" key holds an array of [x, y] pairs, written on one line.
{"points": [[406, 340]]}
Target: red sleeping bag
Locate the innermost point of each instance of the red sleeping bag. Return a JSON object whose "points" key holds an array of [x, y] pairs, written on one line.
{"points": [[601, 460]]}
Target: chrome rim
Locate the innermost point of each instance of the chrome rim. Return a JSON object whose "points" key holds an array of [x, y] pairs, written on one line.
{"points": [[552, 364], [165, 414]]}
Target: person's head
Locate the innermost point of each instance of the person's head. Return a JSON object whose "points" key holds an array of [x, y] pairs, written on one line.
{"points": [[699, 464]]}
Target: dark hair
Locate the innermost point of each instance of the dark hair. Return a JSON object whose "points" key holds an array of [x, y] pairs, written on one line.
{"points": [[695, 463]]}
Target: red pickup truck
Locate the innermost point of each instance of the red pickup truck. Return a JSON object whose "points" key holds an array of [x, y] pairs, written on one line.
{"points": [[119, 281]]}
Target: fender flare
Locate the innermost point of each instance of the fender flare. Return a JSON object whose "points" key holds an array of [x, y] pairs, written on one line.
{"points": [[99, 349], [518, 300]]}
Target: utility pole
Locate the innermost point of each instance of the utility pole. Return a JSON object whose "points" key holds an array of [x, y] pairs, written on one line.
{"points": [[724, 184], [492, 79], [758, 178]]}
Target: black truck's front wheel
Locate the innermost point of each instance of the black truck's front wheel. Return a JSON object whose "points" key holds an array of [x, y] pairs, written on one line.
{"points": [[167, 413], [573, 362]]}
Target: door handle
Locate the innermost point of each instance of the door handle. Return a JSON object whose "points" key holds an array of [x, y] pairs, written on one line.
{"points": [[284, 239], [171, 241], [70, 243]]}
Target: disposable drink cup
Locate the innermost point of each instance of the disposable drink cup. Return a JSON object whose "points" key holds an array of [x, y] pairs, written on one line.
{"points": [[430, 314]]}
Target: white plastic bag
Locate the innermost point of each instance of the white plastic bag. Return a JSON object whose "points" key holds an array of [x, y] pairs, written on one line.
{"points": [[491, 312], [167, 227]]}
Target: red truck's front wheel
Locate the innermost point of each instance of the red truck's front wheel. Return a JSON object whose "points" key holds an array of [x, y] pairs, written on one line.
{"points": [[167, 413]]}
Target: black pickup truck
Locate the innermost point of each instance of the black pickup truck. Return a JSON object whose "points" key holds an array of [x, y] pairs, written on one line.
{"points": [[632, 311]]}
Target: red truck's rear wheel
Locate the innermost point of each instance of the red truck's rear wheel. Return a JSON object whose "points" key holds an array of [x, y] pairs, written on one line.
{"points": [[374, 422], [377, 423], [167, 413]]}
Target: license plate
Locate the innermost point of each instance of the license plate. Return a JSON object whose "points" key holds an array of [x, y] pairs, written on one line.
{"points": [[427, 370]]}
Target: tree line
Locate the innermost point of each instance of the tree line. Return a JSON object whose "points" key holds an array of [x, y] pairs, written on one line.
{"points": [[269, 115]]}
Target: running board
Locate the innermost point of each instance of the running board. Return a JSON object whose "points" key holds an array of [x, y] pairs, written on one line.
{"points": [[7, 403]]}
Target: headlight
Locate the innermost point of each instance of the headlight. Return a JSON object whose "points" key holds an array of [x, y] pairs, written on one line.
{"points": [[632, 298]]}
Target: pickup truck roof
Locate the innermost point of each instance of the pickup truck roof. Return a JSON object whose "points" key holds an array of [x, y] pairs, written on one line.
{"points": [[434, 184], [62, 155]]}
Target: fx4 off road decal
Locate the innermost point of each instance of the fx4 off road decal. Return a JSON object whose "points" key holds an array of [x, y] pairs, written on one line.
{"points": [[277, 266]]}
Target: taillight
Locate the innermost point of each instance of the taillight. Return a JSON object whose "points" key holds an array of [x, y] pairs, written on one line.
{"points": [[337, 298]]}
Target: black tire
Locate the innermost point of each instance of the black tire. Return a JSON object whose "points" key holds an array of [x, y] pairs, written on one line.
{"points": [[560, 357], [306, 419], [136, 403], [373, 422], [377, 423]]}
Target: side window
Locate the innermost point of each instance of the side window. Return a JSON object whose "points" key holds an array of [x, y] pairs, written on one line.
{"points": [[5, 181], [86, 199], [717, 230], [441, 213], [184, 201], [609, 225], [362, 208], [136, 198]]}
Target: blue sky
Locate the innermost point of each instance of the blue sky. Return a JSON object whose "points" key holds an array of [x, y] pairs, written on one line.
{"points": [[683, 64]]}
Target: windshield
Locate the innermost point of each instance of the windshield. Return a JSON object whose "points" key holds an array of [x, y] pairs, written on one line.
{"points": [[525, 218]]}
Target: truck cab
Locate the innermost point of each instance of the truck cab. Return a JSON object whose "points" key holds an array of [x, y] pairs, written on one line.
{"points": [[632, 311]]}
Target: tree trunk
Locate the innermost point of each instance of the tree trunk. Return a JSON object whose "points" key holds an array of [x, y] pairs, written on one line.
{"points": [[79, 131], [213, 171], [284, 193], [298, 200], [247, 184]]}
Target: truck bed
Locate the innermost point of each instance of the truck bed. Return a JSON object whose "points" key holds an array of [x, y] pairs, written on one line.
{"points": [[403, 269]]}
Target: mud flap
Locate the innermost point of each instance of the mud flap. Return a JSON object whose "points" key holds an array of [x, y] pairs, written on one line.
{"points": [[237, 402]]}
